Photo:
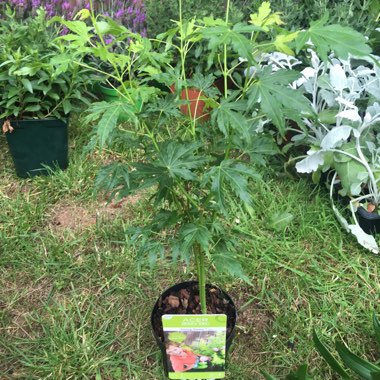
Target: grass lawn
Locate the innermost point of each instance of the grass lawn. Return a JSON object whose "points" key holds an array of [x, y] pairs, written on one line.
{"points": [[75, 302]]}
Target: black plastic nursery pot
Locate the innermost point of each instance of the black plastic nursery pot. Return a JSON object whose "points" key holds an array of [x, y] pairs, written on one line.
{"points": [[368, 221], [159, 310], [37, 146]]}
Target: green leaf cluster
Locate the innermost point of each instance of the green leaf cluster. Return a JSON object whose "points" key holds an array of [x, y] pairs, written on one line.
{"points": [[235, 53], [38, 76], [342, 40], [354, 13], [194, 167], [277, 99], [122, 60]]}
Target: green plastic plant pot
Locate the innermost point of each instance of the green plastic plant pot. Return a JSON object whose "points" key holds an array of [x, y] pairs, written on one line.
{"points": [[37, 146], [107, 93], [111, 95]]}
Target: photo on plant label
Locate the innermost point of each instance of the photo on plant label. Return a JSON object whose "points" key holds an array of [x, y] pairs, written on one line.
{"points": [[195, 350]]}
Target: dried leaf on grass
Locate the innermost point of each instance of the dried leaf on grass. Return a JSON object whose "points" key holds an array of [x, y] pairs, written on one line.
{"points": [[7, 127]]}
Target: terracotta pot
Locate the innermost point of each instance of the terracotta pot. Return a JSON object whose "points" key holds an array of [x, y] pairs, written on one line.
{"points": [[198, 109]]}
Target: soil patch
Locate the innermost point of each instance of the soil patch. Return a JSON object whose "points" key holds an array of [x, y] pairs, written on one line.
{"points": [[253, 318], [253, 326], [114, 208], [72, 217], [75, 217]]}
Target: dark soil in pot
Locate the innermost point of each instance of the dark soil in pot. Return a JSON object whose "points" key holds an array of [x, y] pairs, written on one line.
{"points": [[184, 299]]}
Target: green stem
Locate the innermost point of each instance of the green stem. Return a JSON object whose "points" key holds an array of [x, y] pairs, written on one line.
{"points": [[200, 261], [184, 48], [151, 136], [119, 75], [187, 196], [197, 263], [202, 290], [225, 70], [227, 11], [227, 154], [225, 75]]}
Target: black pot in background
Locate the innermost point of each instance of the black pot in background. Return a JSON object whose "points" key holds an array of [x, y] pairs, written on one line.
{"points": [[368, 221], [176, 288], [160, 86], [37, 143]]}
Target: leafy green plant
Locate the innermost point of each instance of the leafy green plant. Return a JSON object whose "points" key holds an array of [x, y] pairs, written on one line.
{"points": [[188, 170], [160, 14], [363, 368], [357, 14], [236, 52], [268, 88], [126, 63], [37, 76], [342, 138], [192, 169]]}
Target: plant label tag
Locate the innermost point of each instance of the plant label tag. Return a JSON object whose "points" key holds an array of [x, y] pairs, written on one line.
{"points": [[195, 345]]}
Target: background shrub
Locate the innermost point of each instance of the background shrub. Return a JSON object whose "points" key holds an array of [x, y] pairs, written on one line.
{"points": [[359, 14], [130, 13]]}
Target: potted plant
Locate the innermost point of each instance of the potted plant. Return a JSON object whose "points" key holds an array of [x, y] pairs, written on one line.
{"points": [[342, 138], [184, 76], [191, 172], [123, 61], [39, 87], [107, 87], [131, 14], [195, 172]]}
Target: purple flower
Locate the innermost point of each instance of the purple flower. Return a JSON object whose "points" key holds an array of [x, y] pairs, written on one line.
{"points": [[66, 5], [64, 31], [119, 14], [108, 40], [130, 13]]}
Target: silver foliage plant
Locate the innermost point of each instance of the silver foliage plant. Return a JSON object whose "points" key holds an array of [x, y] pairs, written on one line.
{"points": [[344, 136]]}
